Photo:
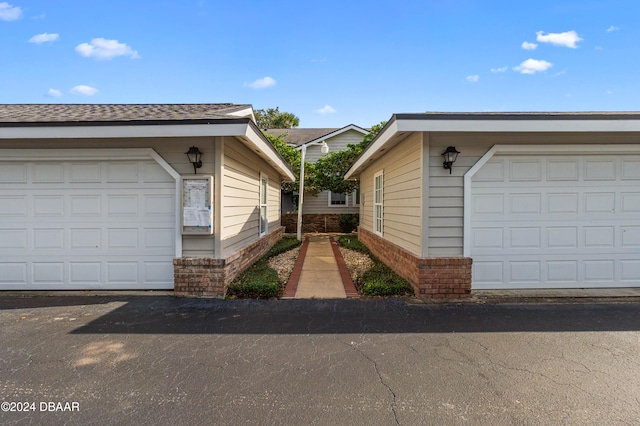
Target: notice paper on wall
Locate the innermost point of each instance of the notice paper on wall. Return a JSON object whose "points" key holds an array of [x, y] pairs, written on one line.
{"points": [[196, 204], [196, 216]]}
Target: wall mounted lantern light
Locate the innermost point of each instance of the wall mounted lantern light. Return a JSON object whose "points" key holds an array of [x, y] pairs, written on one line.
{"points": [[324, 148], [450, 156], [195, 157]]}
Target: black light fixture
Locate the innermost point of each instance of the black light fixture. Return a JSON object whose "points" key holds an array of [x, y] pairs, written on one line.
{"points": [[450, 156], [194, 155]]}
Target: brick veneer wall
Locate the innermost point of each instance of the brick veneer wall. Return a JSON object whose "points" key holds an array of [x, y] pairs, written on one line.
{"points": [[209, 277], [431, 277], [311, 222]]}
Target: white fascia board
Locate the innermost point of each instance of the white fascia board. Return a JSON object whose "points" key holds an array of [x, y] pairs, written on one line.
{"points": [[264, 146], [126, 131], [246, 113], [378, 144], [518, 125]]}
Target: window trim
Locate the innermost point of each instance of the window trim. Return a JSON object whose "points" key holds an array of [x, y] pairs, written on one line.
{"points": [[264, 179], [378, 230], [346, 201], [354, 198]]}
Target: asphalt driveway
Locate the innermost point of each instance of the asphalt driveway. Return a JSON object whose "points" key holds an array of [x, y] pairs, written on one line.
{"points": [[161, 360]]}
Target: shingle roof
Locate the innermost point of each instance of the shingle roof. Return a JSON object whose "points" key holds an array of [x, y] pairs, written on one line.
{"points": [[74, 113], [298, 137]]}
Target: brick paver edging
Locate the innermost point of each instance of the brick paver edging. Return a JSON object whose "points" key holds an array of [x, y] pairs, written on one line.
{"points": [[349, 287], [294, 278]]}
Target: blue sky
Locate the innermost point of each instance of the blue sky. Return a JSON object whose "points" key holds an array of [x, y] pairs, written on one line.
{"points": [[332, 62]]}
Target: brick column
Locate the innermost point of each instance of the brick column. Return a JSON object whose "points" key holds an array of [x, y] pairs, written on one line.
{"points": [[431, 277], [209, 277]]}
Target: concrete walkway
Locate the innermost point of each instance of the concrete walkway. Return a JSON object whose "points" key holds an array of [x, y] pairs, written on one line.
{"points": [[320, 272]]}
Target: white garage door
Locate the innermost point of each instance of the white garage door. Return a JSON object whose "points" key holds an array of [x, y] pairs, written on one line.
{"points": [[86, 225], [556, 222]]}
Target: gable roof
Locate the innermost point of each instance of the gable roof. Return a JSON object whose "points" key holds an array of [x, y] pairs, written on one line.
{"points": [[297, 136], [57, 122], [25, 114], [311, 136], [401, 125]]}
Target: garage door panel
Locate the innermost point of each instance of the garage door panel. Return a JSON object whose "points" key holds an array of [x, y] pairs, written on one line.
{"points": [[13, 206], [525, 271], [84, 173], [13, 238], [122, 205], [630, 169], [525, 237], [85, 205], [48, 273], [48, 173], [122, 172], [86, 225], [600, 170], [525, 171], [631, 202], [13, 273], [562, 170], [576, 226], [525, 203], [13, 173], [562, 271], [630, 271], [630, 236]]}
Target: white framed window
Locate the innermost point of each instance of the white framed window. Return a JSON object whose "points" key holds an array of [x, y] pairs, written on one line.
{"points": [[355, 196], [338, 200], [378, 202], [264, 188]]}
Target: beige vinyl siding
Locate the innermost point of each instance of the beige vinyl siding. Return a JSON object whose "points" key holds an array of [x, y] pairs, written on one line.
{"points": [[320, 205], [446, 192], [241, 196], [172, 150], [402, 194], [336, 143]]}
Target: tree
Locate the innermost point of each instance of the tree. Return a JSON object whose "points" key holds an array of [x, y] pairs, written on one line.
{"points": [[293, 157], [329, 170], [272, 118]]}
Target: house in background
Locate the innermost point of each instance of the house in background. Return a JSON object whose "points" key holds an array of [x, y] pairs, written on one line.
{"points": [[320, 212], [95, 197], [534, 200]]}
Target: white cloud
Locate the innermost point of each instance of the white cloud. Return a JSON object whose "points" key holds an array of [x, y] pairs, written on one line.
{"points": [[566, 39], [9, 13], [609, 92], [261, 83], [44, 38], [612, 29], [84, 90], [473, 78], [532, 66], [501, 69], [101, 48], [327, 109], [529, 46], [54, 93]]}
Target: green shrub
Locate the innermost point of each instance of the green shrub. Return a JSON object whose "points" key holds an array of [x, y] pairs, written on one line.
{"points": [[383, 281], [285, 244], [352, 242], [348, 222], [260, 281], [380, 280]]}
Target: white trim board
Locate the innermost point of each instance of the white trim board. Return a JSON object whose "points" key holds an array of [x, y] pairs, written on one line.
{"points": [[529, 150], [103, 155]]}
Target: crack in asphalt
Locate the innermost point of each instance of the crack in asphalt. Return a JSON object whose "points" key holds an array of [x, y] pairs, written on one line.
{"points": [[394, 402]]}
